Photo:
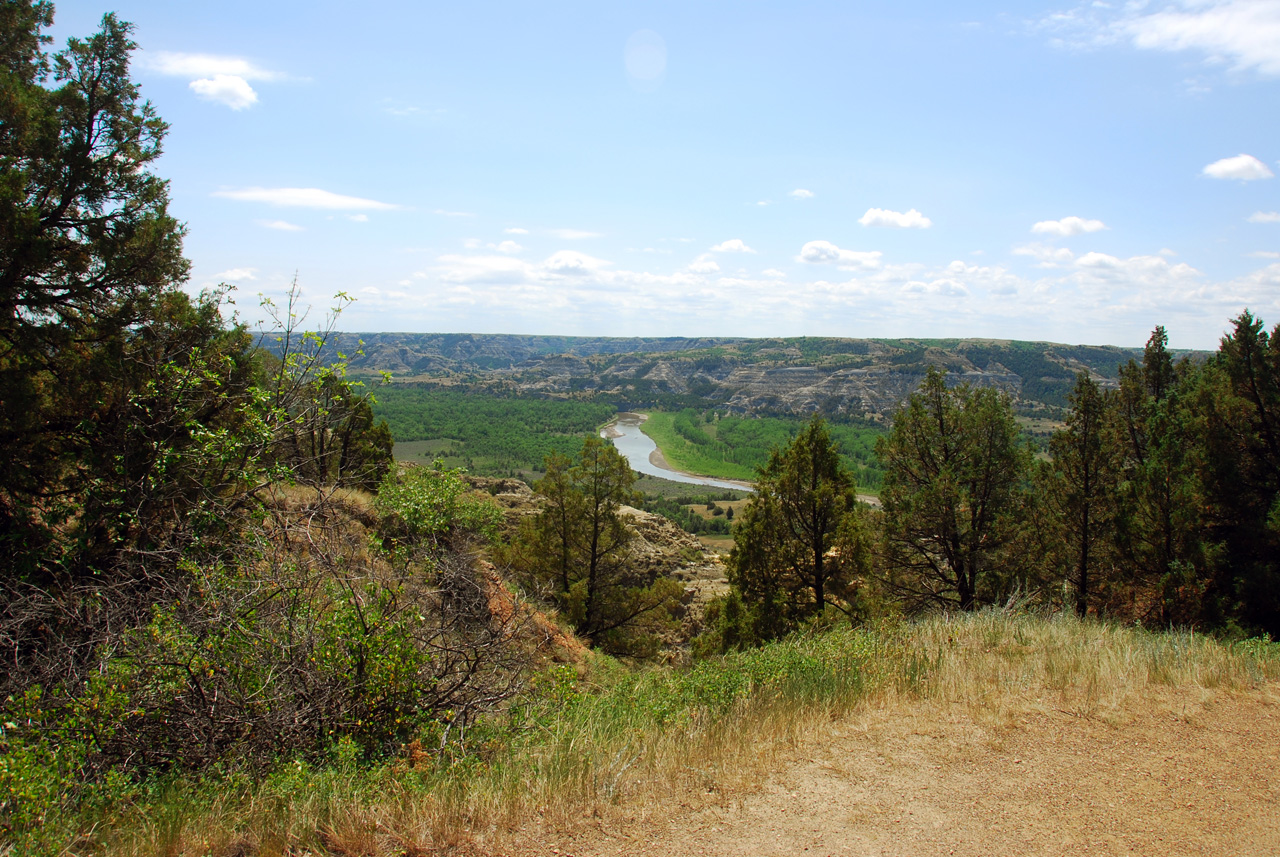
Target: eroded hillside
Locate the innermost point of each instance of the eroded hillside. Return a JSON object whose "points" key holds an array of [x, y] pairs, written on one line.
{"points": [[851, 377]]}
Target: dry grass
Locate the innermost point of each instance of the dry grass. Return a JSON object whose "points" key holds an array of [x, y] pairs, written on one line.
{"points": [[633, 738], [998, 665]]}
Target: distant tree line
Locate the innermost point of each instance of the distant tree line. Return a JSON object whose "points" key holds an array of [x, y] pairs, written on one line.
{"points": [[492, 431]]}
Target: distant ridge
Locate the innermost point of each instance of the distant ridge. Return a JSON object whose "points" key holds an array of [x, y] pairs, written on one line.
{"points": [[857, 378]]}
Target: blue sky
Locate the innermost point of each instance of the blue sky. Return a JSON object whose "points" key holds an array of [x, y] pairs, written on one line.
{"points": [[1057, 171]]}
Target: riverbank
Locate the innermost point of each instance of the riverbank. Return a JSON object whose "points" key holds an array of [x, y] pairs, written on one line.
{"points": [[643, 454]]}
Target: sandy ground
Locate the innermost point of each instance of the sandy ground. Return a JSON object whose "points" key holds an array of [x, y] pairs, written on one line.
{"points": [[1187, 773]]}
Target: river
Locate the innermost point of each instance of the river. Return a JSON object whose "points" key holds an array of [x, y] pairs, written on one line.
{"points": [[639, 450]]}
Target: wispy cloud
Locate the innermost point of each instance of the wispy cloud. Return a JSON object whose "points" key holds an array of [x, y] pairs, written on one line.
{"points": [[235, 275], [304, 197], [1068, 226], [801, 193], [1265, 217], [179, 64], [282, 225], [516, 230], [1242, 167], [897, 219], [733, 245]]}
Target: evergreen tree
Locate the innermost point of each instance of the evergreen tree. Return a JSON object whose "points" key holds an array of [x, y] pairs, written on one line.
{"points": [[1081, 484], [1241, 465], [1159, 525], [579, 547], [785, 561], [953, 492]]}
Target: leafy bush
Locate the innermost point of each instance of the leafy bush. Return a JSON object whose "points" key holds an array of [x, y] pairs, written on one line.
{"points": [[433, 506]]}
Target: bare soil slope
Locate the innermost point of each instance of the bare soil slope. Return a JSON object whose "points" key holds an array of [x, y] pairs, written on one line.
{"points": [[1179, 773]]}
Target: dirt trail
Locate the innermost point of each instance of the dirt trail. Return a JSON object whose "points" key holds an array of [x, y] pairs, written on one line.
{"points": [[1188, 773]]}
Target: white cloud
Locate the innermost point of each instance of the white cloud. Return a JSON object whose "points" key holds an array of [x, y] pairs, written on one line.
{"points": [[226, 89], [1136, 271], [733, 245], [1265, 217], [1240, 34], [221, 79], [358, 218], [704, 264], [516, 230], [824, 252], [900, 220], [572, 263], [1045, 255], [1068, 226], [304, 197], [1243, 167], [203, 65], [508, 247], [1245, 32], [1107, 299], [282, 225], [773, 273], [801, 193], [235, 275], [573, 234], [1265, 254], [943, 287]]}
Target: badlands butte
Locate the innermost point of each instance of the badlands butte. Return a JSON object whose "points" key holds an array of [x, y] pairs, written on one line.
{"points": [[851, 378]]}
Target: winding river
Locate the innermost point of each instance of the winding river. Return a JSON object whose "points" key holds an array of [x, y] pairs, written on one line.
{"points": [[643, 456]]}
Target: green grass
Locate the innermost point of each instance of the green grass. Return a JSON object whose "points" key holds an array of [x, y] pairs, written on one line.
{"points": [[729, 447]]}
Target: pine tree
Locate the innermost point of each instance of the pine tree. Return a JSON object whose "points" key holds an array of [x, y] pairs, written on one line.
{"points": [[952, 493], [787, 561], [1082, 484]]}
